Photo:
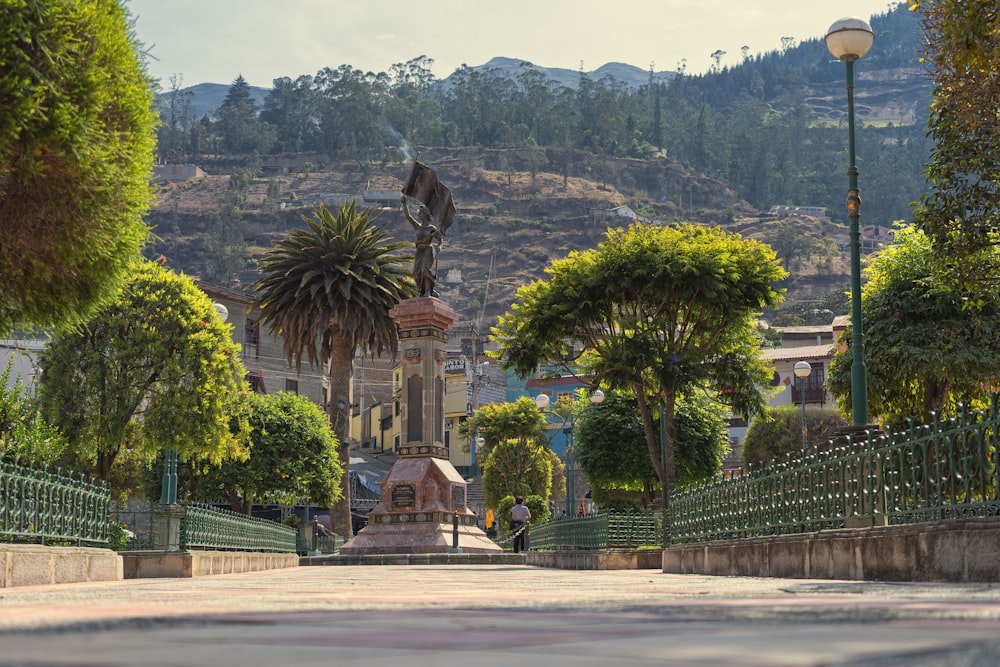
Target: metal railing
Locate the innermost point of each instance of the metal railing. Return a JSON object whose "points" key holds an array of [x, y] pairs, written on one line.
{"points": [[48, 506], [605, 530], [209, 528], [943, 470], [135, 527]]}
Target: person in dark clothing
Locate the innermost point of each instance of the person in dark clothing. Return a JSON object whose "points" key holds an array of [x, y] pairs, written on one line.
{"points": [[519, 516]]}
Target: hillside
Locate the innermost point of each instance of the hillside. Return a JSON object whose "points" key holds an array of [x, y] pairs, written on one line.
{"points": [[512, 219]]}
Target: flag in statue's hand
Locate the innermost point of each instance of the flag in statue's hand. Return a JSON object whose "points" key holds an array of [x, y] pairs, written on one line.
{"points": [[424, 186]]}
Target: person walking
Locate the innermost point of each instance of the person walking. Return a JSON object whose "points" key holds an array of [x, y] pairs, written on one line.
{"points": [[519, 516]]}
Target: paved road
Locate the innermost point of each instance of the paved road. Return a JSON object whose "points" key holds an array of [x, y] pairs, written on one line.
{"points": [[417, 615]]}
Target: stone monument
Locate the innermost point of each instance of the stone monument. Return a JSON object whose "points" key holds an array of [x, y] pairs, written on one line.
{"points": [[422, 500]]}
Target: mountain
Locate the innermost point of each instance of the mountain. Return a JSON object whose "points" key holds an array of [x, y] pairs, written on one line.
{"points": [[628, 74]]}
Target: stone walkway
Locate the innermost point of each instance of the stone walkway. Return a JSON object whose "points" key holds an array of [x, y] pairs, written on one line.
{"points": [[416, 615]]}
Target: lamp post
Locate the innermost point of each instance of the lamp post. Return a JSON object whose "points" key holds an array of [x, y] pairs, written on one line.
{"points": [[848, 40], [477, 444], [542, 403], [802, 371]]}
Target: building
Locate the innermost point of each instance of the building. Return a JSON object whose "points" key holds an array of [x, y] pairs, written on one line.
{"points": [[268, 371], [813, 344], [163, 173], [21, 355], [785, 211]]}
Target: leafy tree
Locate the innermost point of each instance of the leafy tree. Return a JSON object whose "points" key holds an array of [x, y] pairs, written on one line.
{"points": [[327, 291], [293, 455], [927, 341], [241, 128], [23, 432], [657, 311], [76, 152], [611, 446], [961, 208], [515, 454], [155, 369], [514, 468], [777, 433]]}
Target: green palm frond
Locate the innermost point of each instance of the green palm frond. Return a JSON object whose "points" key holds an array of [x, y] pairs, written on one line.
{"points": [[339, 277]]}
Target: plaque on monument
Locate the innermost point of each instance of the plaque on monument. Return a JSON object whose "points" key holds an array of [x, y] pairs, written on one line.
{"points": [[404, 495], [457, 497]]}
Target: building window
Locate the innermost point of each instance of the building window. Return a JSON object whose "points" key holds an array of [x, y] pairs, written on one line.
{"points": [[292, 386], [251, 339], [814, 385]]}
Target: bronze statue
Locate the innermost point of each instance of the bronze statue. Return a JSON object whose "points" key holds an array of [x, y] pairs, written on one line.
{"points": [[428, 242], [433, 219]]}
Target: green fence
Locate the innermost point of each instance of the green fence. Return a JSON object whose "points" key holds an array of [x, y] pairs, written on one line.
{"points": [[133, 526], [943, 470], [606, 530], [209, 528], [48, 506]]}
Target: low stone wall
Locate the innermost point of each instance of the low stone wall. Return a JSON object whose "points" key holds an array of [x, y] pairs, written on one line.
{"points": [[158, 564], [960, 550], [623, 559], [36, 565]]}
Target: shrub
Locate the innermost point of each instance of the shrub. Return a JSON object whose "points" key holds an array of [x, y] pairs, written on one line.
{"points": [[777, 433]]}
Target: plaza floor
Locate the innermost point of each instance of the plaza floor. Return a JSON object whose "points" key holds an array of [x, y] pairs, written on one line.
{"points": [[497, 615]]}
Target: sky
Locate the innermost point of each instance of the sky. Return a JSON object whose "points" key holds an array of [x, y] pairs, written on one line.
{"points": [[214, 41]]}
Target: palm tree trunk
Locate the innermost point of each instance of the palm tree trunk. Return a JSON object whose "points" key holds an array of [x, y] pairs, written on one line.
{"points": [[341, 363]]}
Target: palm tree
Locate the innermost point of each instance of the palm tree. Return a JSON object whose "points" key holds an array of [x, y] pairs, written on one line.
{"points": [[327, 291]]}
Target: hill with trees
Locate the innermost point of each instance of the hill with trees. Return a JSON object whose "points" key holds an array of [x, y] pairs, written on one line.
{"points": [[538, 167]]}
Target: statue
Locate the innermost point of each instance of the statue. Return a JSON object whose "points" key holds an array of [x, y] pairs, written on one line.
{"points": [[428, 242], [436, 207]]}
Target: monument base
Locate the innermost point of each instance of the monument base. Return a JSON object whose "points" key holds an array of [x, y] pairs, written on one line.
{"points": [[420, 500]]}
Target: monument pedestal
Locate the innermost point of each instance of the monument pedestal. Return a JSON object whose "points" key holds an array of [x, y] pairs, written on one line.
{"points": [[418, 502], [423, 494]]}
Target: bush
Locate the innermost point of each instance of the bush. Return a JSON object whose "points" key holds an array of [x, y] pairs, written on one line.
{"points": [[622, 505], [777, 433]]}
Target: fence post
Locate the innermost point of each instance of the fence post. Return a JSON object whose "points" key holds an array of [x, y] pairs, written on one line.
{"points": [[167, 527]]}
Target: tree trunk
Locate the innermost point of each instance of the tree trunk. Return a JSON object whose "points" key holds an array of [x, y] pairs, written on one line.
{"points": [[935, 396], [652, 441], [339, 410]]}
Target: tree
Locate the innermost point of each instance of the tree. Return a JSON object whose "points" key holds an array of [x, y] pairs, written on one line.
{"points": [[327, 291], [611, 446], [777, 433], [513, 468], [961, 209], [241, 129], [155, 369], [515, 454], [76, 152], [23, 432], [927, 341], [293, 455], [656, 311]]}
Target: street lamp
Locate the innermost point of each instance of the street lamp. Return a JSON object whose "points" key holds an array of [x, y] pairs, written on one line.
{"points": [[542, 403], [848, 40], [477, 444], [802, 371]]}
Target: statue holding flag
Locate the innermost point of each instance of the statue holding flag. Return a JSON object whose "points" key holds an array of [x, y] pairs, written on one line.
{"points": [[436, 205], [427, 244]]}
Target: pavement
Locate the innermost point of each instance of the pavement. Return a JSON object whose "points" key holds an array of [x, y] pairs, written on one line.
{"points": [[519, 615]]}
